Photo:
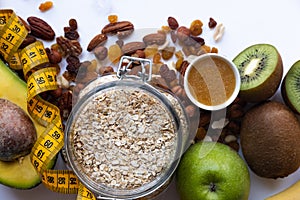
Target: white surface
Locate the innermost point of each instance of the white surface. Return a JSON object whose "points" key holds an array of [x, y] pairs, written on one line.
{"points": [[246, 22]]}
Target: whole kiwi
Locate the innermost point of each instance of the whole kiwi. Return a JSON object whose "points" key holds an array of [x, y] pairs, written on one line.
{"points": [[270, 138], [17, 131]]}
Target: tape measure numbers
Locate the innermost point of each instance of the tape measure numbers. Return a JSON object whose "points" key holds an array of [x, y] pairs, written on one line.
{"points": [[40, 78], [12, 33]]}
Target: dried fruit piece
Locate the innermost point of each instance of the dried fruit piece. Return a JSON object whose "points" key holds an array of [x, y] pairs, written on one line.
{"points": [[114, 53], [212, 23], [150, 51], [73, 24], [196, 27], [214, 50], [167, 53], [45, 6], [112, 18], [157, 58], [172, 22]]}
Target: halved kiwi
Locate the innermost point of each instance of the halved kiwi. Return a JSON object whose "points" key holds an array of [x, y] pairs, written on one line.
{"points": [[290, 88], [261, 70]]}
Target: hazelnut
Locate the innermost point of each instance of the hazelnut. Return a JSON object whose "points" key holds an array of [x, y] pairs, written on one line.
{"points": [[190, 110]]}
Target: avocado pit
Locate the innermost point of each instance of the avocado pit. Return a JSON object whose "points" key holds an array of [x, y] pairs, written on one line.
{"points": [[17, 131]]}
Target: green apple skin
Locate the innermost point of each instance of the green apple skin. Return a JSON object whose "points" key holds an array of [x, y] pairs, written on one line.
{"points": [[207, 164]]}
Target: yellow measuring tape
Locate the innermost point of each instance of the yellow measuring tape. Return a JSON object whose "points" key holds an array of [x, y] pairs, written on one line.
{"points": [[40, 77]]}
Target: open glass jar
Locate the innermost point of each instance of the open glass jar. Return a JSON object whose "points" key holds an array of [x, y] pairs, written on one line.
{"points": [[124, 137]]}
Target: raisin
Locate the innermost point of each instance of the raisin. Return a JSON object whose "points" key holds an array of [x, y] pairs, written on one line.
{"points": [[214, 50], [167, 53], [72, 34], [73, 64], [212, 23], [112, 18], [73, 24], [45, 6], [172, 22], [196, 27]]}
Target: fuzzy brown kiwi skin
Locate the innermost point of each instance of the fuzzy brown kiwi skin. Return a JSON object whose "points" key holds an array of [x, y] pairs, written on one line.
{"points": [[267, 89], [270, 137]]}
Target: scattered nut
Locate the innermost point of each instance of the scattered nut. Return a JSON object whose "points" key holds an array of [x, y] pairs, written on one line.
{"points": [[97, 40], [219, 32], [100, 52]]}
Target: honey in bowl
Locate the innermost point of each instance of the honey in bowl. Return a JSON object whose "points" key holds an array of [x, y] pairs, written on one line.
{"points": [[212, 82]]}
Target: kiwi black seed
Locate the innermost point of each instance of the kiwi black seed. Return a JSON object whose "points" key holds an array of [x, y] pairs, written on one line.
{"points": [[17, 131], [290, 87], [261, 69]]}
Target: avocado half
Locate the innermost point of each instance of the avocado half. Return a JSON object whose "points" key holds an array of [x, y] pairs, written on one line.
{"points": [[18, 174]]}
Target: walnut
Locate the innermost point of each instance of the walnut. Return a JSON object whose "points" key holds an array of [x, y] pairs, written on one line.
{"points": [[69, 47]]}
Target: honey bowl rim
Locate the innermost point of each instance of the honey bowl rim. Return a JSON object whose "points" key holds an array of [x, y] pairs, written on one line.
{"points": [[233, 95]]}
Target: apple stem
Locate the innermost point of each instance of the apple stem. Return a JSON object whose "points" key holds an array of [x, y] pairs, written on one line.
{"points": [[213, 187]]}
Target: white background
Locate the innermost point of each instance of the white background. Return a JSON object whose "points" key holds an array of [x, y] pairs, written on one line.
{"points": [[246, 23]]}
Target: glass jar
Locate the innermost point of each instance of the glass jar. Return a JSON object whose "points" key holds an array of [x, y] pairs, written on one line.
{"points": [[124, 137]]}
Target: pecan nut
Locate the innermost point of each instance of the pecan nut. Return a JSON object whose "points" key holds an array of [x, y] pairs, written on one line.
{"points": [[183, 33], [114, 28], [40, 28], [27, 41], [132, 47], [26, 25], [154, 38], [97, 40]]}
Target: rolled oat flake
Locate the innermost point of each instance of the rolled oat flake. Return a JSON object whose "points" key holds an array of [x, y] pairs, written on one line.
{"points": [[124, 136]]}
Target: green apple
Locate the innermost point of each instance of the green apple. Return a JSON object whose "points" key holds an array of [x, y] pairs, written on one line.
{"points": [[212, 171]]}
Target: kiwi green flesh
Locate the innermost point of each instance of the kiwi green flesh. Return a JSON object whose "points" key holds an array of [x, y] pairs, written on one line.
{"points": [[291, 87], [256, 64]]}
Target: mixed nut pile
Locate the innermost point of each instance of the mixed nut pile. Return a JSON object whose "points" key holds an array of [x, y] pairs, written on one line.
{"points": [[172, 43]]}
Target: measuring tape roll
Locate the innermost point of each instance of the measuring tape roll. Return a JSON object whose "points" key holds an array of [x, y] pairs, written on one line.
{"points": [[40, 77]]}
